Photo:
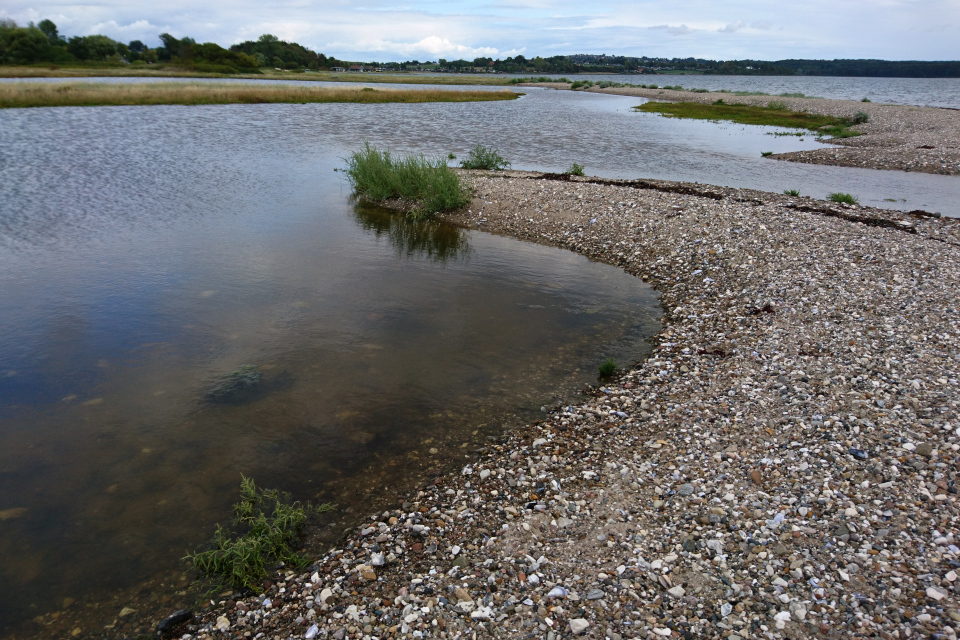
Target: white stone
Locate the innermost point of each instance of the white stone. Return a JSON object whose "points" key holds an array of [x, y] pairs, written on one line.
{"points": [[677, 591], [951, 576], [311, 632], [663, 631], [484, 474], [579, 625], [223, 623], [325, 595], [936, 593]]}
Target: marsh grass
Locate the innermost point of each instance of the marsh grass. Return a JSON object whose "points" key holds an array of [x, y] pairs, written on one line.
{"points": [[575, 170], [607, 368], [426, 185], [487, 158], [777, 116], [843, 198], [791, 192], [29, 94], [266, 529]]}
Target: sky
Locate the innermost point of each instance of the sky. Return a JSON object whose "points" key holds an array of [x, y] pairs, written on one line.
{"points": [[429, 29]]}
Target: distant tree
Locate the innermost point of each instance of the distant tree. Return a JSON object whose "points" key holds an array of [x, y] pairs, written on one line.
{"points": [[22, 45], [50, 30], [136, 46]]}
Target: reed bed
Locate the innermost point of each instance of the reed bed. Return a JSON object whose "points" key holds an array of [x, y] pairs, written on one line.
{"points": [[28, 94]]}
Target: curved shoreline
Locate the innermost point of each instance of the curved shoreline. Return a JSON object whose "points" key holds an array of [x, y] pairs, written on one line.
{"points": [[897, 137], [784, 465]]}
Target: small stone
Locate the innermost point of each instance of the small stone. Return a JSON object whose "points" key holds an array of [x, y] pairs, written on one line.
{"points": [[924, 449], [325, 595], [677, 591], [127, 611], [686, 489], [951, 576], [176, 618], [312, 632], [756, 477], [223, 623], [936, 593], [594, 594], [579, 625]]}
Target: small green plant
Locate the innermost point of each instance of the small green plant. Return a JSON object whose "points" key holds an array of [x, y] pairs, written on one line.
{"points": [[266, 528], [652, 86], [843, 198], [777, 105], [766, 154], [791, 192], [428, 186], [481, 157], [719, 102], [575, 170], [451, 156], [607, 368], [860, 117], [865, 100]]}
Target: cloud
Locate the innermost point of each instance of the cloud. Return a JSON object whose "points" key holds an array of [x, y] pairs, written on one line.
{"points": [[678, 30], [432, 46], [137, 30], [733, 27]]}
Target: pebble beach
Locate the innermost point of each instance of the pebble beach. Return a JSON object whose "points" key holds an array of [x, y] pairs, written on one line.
{"points": [[783, 466]]}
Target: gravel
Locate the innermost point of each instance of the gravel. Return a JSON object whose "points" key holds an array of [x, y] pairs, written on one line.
{"points": [[900, 137], [783, 466]]}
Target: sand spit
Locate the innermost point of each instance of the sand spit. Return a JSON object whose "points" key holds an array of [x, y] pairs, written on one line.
{"points": [[898, 137], [784, 465]]}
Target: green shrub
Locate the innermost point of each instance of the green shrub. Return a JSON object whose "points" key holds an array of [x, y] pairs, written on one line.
{"points": [[429, 185], [865, 100], [766, 154], [791, 192], [719, 102], [451, 156], [267, 528], [607, 368], [843, 198], [575, 170], [481, 157], [860, 117]]}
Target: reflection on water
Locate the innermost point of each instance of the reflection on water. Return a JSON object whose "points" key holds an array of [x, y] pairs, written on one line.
{"points": [[191, 295], [438, 242]]}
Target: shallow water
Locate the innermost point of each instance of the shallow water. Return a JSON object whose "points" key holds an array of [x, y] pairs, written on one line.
{"points": [[148, 253]]}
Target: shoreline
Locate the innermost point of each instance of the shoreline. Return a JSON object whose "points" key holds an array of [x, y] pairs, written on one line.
{"points": [[783, 465], [897, 137]]}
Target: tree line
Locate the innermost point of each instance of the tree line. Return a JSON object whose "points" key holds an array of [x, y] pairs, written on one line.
{"points": [[42, 43]]}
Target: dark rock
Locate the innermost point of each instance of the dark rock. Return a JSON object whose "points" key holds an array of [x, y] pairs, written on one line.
{"points": [[168, 624]]}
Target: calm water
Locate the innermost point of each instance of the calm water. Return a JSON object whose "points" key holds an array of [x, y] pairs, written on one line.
{"points": [[147, 253], [550, 130], [928, 92]]}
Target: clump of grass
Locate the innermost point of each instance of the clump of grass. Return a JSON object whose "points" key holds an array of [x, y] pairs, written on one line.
{"points": [[428, 186], [860, 117], [865, 100], [267, 527], [777, 105], [843, 198], [581, 84], [791, 192], [481, 157], [575, 170], [766, 154], [34, 94], [451, 156], [607, 368]]}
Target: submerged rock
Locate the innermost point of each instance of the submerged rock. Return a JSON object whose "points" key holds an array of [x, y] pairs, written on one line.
{"points": [[237, 387]]}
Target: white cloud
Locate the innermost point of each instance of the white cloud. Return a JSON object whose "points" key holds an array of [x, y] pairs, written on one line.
{"points": [[674, 30]]}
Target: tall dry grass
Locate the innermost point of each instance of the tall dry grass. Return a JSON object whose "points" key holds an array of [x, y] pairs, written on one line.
{"points": [[28, 94]]}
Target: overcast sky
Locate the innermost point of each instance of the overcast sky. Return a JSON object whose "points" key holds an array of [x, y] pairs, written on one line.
{"points": [[430, 29]]}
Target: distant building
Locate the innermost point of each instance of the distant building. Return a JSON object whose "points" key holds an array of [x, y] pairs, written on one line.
{"points": [[338, 69], [355, 68]]}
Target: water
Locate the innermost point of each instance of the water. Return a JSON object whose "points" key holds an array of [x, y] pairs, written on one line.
{"points": [[926, 92], [550, 130], [147, 253]]}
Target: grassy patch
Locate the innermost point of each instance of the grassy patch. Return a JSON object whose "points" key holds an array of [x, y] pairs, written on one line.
{"points": [[575, 170], [29, 94], [766, 154], [266, 529], [791, 192], [607, 368], [536, 80], [428, 185], [843, 198], [778, 116], [481, 157]]}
